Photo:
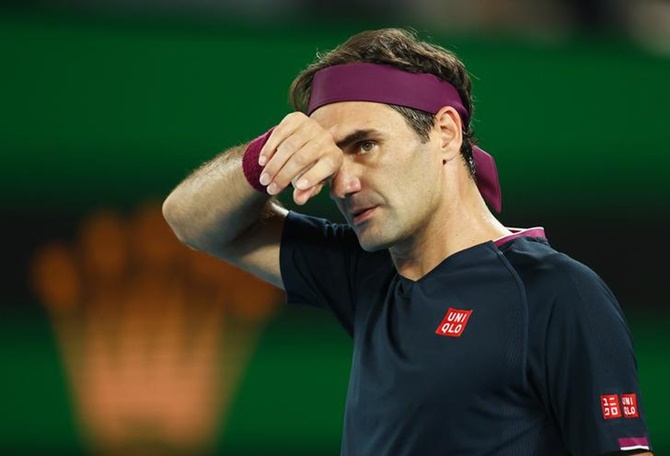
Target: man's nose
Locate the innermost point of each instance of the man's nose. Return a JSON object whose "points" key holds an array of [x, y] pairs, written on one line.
{"points": [[346, 181]]}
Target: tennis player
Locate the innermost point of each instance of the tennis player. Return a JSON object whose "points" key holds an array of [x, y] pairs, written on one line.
{"points": [[470, 337]]}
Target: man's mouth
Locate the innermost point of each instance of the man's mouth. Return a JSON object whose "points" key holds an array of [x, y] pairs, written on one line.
{"points": [[359, 216]]}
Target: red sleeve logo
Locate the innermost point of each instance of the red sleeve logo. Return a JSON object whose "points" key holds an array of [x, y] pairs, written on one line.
{"points": [[610, 404], [616, 406], [453, 323], [629, 405]]}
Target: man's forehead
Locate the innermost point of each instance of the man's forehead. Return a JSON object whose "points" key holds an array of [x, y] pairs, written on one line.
{"points": [[343, 117]]}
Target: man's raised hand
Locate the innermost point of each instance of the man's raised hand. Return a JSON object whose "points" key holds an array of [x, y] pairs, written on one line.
{"points": [[300, 152]]}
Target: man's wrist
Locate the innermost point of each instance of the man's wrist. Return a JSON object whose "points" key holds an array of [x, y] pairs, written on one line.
{"points": [[252, 169]]}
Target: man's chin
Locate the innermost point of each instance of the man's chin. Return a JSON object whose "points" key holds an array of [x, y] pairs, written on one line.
{"points": [[371, 243]]}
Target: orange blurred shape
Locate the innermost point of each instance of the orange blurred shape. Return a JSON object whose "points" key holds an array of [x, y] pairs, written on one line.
{"points": [[250, 298], [55, 278], [153, 360], [206, 268], [104, 245], [152, 240], [247, 297]]}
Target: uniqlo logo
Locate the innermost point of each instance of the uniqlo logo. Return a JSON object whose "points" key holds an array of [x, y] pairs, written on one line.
{"points": [[454, 323], [610, 404], [629, 405]]}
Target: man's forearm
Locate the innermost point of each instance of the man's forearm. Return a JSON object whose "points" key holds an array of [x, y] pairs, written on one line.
{"points": [[215, 204]]}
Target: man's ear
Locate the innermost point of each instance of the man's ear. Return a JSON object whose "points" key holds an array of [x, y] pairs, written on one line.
{"points": [[450, 130]]}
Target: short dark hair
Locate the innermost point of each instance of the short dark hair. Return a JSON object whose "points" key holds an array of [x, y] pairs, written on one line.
{"points": [[400, 48]]}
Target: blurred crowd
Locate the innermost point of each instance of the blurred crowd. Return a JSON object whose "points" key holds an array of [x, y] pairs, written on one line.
{"points": [[645, 21]]}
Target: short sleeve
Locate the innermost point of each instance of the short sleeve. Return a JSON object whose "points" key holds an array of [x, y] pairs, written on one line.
{"points": [[318, 260], [591, 370]]}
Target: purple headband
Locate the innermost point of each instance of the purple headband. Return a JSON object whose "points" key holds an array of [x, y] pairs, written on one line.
{"points": [[387, 84]]}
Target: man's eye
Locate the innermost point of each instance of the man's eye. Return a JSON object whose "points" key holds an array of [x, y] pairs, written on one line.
{"points": [[366, 146]]}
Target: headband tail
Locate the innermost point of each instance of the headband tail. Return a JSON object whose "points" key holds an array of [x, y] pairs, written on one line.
{"points": [[487, 178]]}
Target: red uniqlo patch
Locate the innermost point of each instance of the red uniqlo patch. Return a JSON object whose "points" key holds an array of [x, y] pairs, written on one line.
{"points": [[629, 405], [610, 403], [454, 323]]}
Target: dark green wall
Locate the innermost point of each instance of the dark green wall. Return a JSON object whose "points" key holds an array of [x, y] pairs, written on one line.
{"points": [[127, 109]]}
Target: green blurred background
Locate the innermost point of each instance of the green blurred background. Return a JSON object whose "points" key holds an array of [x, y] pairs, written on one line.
{"points": [[100, 109]]}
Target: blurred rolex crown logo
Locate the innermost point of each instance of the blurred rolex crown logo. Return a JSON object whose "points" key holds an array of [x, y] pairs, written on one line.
{"points": [[154, 336]]}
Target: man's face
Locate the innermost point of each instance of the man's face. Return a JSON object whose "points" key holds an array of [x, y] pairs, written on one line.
{"points": [[390, 182]]}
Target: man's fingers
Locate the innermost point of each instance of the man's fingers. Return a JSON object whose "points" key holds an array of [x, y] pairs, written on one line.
{"points": [[294, 147], [285, 152], [289, 124], [319, 173], [314, 162], [296, 163]]}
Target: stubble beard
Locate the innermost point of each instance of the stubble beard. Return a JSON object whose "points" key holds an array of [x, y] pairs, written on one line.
{"points": [[382, 235]]}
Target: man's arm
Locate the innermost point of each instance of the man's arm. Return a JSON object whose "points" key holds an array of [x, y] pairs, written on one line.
{"points": [[216, 210]]}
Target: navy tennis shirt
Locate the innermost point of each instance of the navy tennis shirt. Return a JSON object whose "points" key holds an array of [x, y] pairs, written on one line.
{"points": [[505, 348]]}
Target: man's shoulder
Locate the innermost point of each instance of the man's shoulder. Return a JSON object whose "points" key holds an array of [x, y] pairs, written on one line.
{"points": [[540, 263], [556, 280]]}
